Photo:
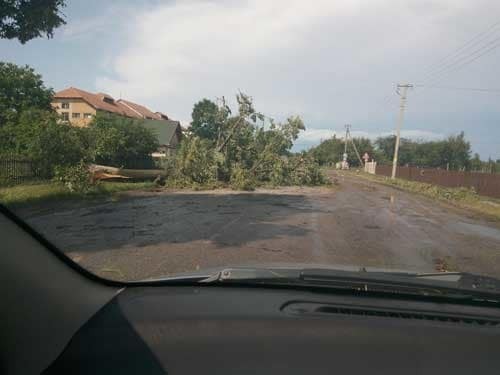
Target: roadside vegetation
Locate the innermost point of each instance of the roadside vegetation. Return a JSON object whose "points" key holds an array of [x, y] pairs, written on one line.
{"points": [[459, 197], [243, 149], [30, 193], [453, 153]]}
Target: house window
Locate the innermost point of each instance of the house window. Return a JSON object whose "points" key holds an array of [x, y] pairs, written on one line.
{"points": [[87, 115], [65, 116], [75, 115], [65, 105]]}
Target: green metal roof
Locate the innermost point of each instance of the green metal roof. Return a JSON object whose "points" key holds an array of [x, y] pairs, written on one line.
{"points": [[164, 129]]}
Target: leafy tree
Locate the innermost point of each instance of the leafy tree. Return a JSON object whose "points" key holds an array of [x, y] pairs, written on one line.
{"points": [[452, 153], [476, 163], [457, 152], [241, 149], [21, 89], [118, 141], [28, 19], [39, 136], [331, 151], [207, 120]]}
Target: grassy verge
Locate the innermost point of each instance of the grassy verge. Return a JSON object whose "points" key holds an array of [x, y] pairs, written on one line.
{"points": [[459, 197], [30, 193]]}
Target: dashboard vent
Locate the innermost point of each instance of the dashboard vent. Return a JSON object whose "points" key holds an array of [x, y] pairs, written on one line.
{"points": [[304, 308]]}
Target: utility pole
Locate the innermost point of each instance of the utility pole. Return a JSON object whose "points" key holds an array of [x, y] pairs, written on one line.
{"points": [[344, 156], [347, 138], [402, 93], [347, 126]]}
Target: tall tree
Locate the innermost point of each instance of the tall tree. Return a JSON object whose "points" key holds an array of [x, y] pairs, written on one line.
{"points": [[28, 19], [21, 89], [457, 151], [207, 120]]}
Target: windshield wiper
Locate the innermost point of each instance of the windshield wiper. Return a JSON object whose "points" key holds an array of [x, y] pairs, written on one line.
{"points": [[451, 285]]}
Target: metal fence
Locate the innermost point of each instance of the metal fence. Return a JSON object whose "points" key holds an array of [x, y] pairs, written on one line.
{"points": [[486, 184], [15, 170]]}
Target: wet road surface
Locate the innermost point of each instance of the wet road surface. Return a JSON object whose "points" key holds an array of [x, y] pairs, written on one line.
{"points": [[155, 234]]}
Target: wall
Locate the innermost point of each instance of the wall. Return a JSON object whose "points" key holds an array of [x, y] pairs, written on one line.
{"points": [[75, 106]]}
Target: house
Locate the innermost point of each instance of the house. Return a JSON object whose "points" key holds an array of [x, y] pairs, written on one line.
{"points": [[169, 135], [78, 107]]}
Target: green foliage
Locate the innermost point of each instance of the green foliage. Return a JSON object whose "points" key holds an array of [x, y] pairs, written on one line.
{"points": [[207, 120], [306, 171], [109, 140], [241, 150], [21, 89], [37, 135], [242, 179], [76, 178], [29, 193], [194, 164], [29, 19], [452, 153], [118, 141], [331, 151]]}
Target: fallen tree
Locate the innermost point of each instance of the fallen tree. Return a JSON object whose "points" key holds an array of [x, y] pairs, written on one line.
{"points": [[104, 172], [243, 150]]}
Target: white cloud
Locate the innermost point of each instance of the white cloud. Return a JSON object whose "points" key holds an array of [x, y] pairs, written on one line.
{"points": [[332, 62]]}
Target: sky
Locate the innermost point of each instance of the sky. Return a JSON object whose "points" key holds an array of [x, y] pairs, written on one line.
{"points": [[333, 62]]}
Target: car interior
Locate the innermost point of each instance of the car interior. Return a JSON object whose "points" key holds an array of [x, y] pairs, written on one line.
{"points": [[58, 318]]}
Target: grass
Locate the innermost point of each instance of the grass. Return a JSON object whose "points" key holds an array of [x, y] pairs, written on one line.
{"points": [[49, 191], [460, 197]]}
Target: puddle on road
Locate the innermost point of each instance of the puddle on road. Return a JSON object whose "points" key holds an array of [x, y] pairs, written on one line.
{"points": [[477, 230]]}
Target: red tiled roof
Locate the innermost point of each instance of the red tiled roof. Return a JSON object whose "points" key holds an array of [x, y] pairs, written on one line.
{"points": [[121, 107], [139, 109]]}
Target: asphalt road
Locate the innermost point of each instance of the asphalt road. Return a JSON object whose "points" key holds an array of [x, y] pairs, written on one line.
{"points": [[155, 234]]}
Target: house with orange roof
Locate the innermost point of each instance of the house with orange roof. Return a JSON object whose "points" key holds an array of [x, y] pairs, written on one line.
{"points": [[77, 107]]}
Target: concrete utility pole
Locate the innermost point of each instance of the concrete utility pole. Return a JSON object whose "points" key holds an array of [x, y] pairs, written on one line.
{"points": [[404, 88], [347, 138], [347, 126]]}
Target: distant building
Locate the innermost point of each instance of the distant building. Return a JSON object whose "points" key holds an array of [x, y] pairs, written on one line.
{"points": [[78, 107]]}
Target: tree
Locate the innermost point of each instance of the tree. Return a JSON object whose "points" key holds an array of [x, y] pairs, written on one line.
{"points": [[28, 19], [39, 136], [118, 141], [476, 163], [457, 152], [241, 149], [207, 120], [329, 151], [21, 89]]}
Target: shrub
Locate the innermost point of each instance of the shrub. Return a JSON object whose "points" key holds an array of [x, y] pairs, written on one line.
{"points": [[195, 162], [118, 141], [75, 178], [242, 179]]}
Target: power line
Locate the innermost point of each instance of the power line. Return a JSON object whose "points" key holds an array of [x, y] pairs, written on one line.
{"points": [[469, 44], [465, 60], [459, 88]]}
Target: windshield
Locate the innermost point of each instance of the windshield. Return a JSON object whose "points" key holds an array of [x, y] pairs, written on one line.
{"points": [[151, 139]]}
